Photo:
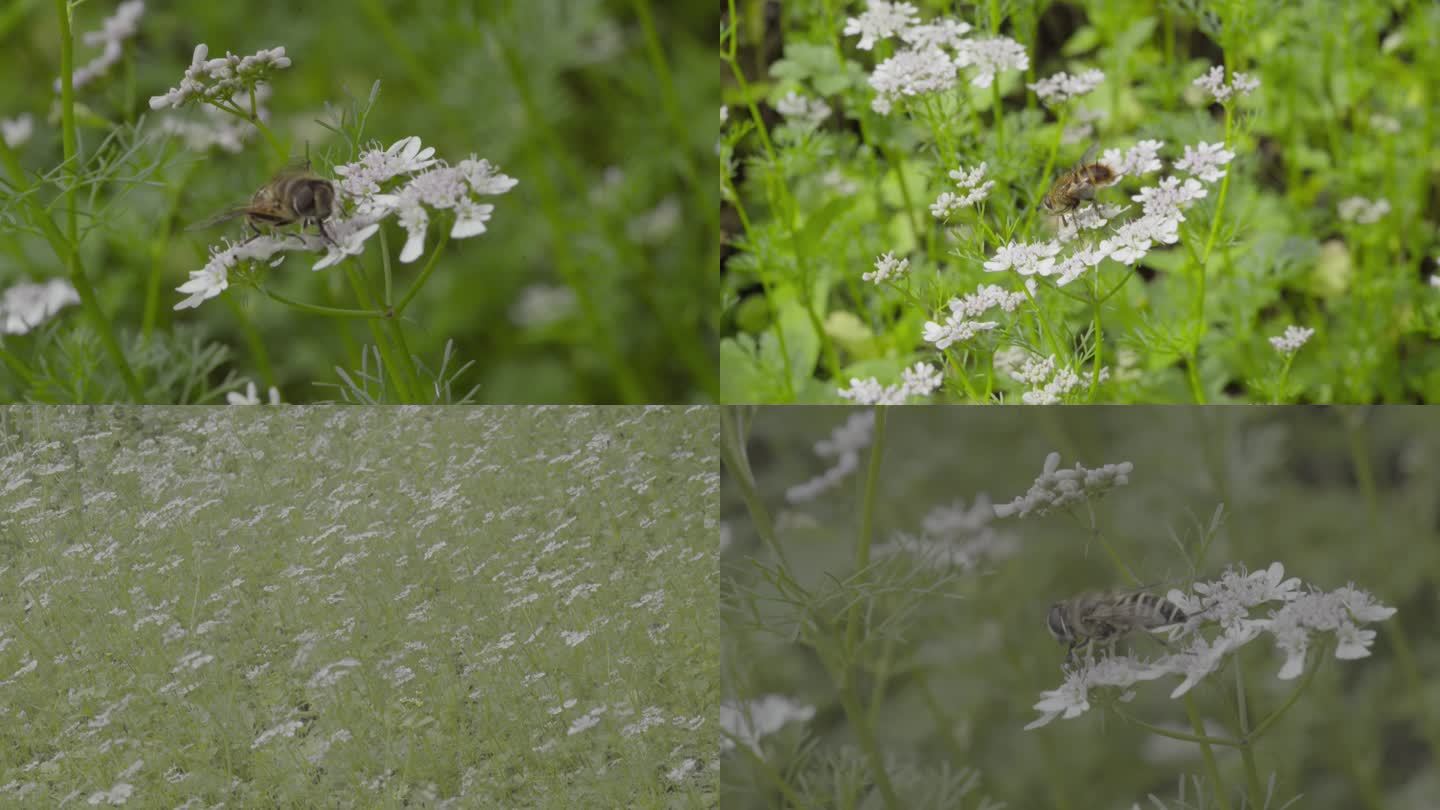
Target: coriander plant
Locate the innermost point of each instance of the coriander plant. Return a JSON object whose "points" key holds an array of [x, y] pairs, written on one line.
{"points": [[888, 574], [1044, 202]]}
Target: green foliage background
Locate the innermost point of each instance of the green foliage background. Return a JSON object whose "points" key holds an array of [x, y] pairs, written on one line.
{"points": [[949, 679], [553, 91]]}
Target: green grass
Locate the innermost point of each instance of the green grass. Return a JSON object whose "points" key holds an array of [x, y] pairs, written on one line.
{"points": [[921, 676], [1345, 108], [475, 581], [590, 285]]}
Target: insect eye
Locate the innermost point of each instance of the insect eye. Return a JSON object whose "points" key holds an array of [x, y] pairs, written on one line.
{"points": [[1056, 622], [304, 200]]}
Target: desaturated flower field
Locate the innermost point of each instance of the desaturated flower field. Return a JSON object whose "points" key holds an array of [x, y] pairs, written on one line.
{"points": [[1069, 202], [499, 204], [317, 607], [891, 636]]}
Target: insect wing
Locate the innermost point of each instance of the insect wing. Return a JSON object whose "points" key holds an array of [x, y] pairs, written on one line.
{"points": [[223, 216]]}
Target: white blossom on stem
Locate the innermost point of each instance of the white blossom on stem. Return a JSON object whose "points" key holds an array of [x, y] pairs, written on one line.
{"points": [[911, 73], [1293, 338], [24, 306], [886, 268], [221, 79], [990, 56], [116, 28], [1057, 489], [1213, 82], [880, 21], [1061, 87], [1205, 160]]}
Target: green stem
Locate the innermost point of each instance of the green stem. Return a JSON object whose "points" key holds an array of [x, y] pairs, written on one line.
{"points": [[1193, 358], [1247, 747], [318, 309], [1099, 337], [734, 431], [393, 369], [1206, 752], [420, 279], [70, 255], [867, 519], [1177, 735], [1269, 721]]}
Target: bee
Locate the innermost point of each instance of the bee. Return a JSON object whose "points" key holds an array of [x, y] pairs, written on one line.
{"points": [[1097, 616], [296, 194], [1078, 185]]}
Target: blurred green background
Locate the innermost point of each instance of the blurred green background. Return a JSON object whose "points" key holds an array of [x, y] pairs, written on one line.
{"points": [[604, 111], [1336, 495]]}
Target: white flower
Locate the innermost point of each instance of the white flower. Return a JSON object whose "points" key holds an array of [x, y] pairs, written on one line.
{"points": [[880, 20], [796, 107], [989, 56], [870, 392], [942, 32], [920, 380], [1292, 340], [887, 267], [361, 181], [219, 80], [1024, 258], [25, 306], [347, 238], [749, 721], [118, 794], [111, 37], [1056, 387], [973, 182], [1056, 488], [1339, 612], [1241, 84], [17, 130], [251, 396], [1205, 160], [213, 278], [1359, 209], [1130, 243], [956, 329], [1062, 86], [911, 73], [1086, 218], [1072, 698], [1075, 265], [1169, 198], [441, 187], [1142, 158]]}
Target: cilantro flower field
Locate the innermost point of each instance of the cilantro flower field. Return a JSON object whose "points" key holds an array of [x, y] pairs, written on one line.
{"points": [[316, 607], [1047, 202]]}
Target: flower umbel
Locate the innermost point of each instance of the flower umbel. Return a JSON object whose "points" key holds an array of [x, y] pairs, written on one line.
{"points": [[1058, 489]]}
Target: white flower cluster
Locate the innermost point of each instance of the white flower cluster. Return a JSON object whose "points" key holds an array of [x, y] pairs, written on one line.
{"points": [[1027, 259], [1241, 84], [933, 55], [24, 306], [1226, 604], [963, 322], [920, 380], [880, 21], [750, 720], [886, 268], [111, 37], [428, 184], [1363, 211], [798, 108], [1292, 340], [990, 56], [843, 447], [1057, 489], [17, 130], [222, 78], [1062, 87], [972, 182], [1205, 160], [1086, 218], [1142, 158], [911, 72], [1048, 383]]}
